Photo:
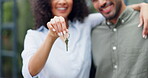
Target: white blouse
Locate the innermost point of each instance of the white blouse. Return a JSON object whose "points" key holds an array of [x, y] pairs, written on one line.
{"points": [[75, 63]]}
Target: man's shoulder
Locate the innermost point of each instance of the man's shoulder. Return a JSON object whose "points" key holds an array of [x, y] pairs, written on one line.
{"points": [[134, 12], [130, 16]]}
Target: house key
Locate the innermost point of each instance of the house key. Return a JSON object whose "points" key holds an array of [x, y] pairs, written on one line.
{"points": [[66, 41]]}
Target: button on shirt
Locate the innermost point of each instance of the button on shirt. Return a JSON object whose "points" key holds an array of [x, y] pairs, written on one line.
{"points": [[114, 29], [75, 63], [119, 50]]}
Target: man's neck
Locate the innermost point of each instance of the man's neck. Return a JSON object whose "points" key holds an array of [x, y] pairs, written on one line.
{"points": [[114, 20]]}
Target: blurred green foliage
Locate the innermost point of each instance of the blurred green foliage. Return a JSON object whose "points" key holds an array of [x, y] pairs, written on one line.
{"points": [[25, 19], [24, 22], [7, 18], [7, 15]]}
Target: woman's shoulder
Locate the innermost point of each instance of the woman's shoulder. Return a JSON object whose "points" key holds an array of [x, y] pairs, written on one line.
{"points": [[37, 33], [95, 16], [32, 32], [40, 30], [94, 19]]}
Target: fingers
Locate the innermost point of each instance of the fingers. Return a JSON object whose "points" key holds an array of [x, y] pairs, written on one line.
{"points": [[141, 21], [58, 24], [50, 26], [145, 29], [144, 19], [63, 23]]}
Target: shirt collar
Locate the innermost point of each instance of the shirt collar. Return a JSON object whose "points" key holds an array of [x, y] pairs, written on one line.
{"points": [[42, 29]]}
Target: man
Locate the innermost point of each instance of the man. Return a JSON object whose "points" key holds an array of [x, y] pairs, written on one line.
{"points": [[119, 50]]}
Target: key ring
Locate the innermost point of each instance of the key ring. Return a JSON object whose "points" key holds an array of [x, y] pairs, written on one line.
{"points": [[67, 35]]}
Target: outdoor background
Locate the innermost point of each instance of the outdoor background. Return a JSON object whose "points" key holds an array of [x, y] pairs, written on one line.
{"points": [[15, 20]]}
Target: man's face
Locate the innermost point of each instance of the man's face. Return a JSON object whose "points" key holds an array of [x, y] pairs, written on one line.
{"points": [[108, 8]]}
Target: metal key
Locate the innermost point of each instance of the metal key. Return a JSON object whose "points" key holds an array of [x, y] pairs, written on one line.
{"points": [[66, 41]]}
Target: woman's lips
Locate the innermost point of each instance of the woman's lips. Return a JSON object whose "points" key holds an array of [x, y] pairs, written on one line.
{"points": [[62, 10]]}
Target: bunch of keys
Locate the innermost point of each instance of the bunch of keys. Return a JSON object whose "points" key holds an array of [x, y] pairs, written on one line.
{"points": [[66, 41]]}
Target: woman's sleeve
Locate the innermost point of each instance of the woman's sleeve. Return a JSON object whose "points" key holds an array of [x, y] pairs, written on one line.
{"points": [[95, 19], [30, 47]]}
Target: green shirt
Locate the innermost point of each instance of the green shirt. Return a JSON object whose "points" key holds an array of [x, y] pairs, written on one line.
{"points": [[119, 50]]}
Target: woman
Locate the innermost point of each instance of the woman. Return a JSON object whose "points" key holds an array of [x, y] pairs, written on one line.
{"points": [[44, 54]]}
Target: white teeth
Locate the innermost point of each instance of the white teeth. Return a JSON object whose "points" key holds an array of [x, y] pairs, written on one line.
{"points": [[61, 8], [107, 8]]}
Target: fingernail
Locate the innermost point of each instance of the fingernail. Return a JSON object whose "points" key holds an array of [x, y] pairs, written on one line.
{"points": [[144, 36], [139, 25], [53, 29], [64, 32], [67, 30], [50, 26], [59, 34]]}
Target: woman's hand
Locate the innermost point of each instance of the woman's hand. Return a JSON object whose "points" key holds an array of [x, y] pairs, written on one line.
{"points": [[57, 27], [143, 8], [144, 19]]}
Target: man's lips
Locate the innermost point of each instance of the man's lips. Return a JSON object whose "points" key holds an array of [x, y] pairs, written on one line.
{"points": [[106, 9]]}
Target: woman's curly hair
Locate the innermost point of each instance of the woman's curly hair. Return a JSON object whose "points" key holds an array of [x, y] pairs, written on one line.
{"points": [[42, 11]]}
